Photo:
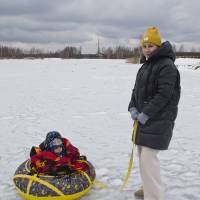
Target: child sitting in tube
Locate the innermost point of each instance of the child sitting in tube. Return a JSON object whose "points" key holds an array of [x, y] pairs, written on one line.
{"points": [[56, 155]]}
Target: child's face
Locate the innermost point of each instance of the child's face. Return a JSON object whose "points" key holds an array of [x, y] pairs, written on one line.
{"points": [[57, 146], [58, 150]]}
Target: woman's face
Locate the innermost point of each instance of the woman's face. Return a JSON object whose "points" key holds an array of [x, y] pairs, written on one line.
{"points": [[148, 48]]}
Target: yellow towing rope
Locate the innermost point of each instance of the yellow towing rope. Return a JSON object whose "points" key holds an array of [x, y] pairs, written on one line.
{"points": [[102, 185], [131, 158]]}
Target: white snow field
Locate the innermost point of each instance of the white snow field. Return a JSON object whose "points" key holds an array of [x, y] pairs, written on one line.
{"points": [[87, 100]]}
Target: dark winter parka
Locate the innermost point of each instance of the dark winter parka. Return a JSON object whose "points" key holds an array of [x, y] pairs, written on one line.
{"points": [[156, 93]]}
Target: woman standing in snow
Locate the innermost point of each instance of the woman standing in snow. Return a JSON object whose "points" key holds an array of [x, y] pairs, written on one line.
{"points": [[154, 104]]}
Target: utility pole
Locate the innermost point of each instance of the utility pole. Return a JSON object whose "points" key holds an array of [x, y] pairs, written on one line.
{"points": [[98, 50], [0, 51]]}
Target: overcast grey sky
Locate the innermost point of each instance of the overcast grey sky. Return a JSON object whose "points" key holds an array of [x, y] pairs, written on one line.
{"points": [[54, 24]]}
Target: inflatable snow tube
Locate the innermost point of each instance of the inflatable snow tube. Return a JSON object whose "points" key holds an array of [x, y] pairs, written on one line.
{"points": [[44, 187]]}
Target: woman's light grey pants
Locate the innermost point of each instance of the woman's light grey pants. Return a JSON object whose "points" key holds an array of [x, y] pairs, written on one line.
{"points": [[150, 173]]}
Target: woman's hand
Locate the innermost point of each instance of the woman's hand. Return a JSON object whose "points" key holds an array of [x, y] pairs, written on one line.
{"points": [[142, 118], [134, 113]]}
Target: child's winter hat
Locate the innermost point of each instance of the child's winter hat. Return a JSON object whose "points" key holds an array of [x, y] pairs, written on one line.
{"points": [[51, 136], [151, 35]]}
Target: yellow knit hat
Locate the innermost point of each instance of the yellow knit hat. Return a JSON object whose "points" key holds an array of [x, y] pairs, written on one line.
{"points": [[151, 35]]}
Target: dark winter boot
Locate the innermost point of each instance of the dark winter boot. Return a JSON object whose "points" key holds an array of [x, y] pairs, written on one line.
{"points": [[139, 193]]}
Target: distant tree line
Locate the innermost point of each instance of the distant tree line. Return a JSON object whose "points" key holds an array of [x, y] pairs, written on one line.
{"points": [[119, 52], [10, 52]]}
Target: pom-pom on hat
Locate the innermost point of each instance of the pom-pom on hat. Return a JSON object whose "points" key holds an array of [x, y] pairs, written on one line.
{"points": [[151, 35]]}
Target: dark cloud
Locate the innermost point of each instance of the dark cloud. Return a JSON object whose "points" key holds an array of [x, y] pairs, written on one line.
{"points": [[81, 22]]}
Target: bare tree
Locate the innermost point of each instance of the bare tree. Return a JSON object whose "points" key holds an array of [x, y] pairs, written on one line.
{"points": [[174, 47], [193, 49], [181, 48]]}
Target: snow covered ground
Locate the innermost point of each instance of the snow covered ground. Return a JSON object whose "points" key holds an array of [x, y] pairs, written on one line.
{"points": [[86, 100]]}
